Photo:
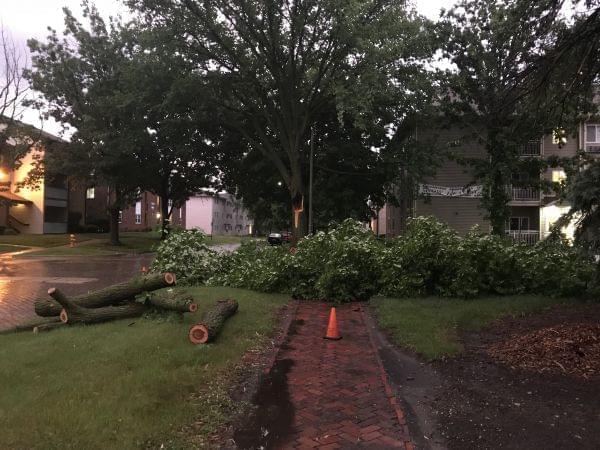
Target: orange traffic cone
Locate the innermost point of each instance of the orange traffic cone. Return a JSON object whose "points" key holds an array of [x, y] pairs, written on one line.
{"points": [[332, 328]]}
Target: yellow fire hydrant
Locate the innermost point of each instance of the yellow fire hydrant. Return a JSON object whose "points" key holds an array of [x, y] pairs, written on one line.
{"points": [[72, 240]]}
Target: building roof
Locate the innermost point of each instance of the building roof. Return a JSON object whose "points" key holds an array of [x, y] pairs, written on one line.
{"points": [[14, 197]]}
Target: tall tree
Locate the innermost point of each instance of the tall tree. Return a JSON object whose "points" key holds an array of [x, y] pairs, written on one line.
{"points": [[171, 121], [491, 45], [276, 64], [15, 137], [134, 106], [78, 80]]}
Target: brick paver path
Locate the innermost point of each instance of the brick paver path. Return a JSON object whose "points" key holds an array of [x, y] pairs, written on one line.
{"points": [[22, 280], [338, 389]]}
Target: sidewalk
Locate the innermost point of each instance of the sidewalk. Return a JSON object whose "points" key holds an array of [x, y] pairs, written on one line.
{"points": [[338, 389]]}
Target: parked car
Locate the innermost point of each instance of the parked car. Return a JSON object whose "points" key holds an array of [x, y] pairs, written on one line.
{"points": [[282, 237]]}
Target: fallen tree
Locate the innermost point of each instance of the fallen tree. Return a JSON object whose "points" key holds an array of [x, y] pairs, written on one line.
{"points": [[212, 321], [28, 326], [171, 300], [110, 295], [72, 313]]}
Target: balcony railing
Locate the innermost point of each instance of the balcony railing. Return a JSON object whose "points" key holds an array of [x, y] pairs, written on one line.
{"points": [[525, 194], [531, 148], [529, 237]]}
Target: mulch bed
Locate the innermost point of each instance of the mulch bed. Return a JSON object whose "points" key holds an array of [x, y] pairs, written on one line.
{"points": [[506, 392], [572, 349]]}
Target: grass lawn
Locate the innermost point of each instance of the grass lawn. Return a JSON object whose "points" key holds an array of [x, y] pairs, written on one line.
{"points": [[42, 240], [116, 385], [219, 240], [430, 326], [98, 244], [11, 248]]}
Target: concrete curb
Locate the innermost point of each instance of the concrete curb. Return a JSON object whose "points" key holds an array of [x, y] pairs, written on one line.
{"points": [[394, 402]]}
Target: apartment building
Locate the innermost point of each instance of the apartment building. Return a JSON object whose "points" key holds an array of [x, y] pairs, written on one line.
{"points": [[42, 210], [218, 214], [451, 197], [89, 208]]}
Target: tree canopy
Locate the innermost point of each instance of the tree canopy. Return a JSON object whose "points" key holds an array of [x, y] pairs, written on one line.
{"points": [[135, 107], [274, 66]]}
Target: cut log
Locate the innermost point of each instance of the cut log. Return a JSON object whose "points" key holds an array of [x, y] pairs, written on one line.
{"points": [[30, 325], [109, 295], [73, 313], [172, 300], [212, 322], [48, 326]]}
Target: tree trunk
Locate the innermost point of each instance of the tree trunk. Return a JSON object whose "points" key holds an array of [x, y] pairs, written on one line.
{"points": [[164, 217], [73, 313], [114, 225], [30, 325], [48, 326], [109, 295], [172, 301], [212, 321]]}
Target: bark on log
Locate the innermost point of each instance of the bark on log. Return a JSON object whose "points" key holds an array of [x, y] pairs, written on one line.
{"points": [[212, 321], [30, 325], [172, 300], [73, 313], [109, 295], [48, 326]]}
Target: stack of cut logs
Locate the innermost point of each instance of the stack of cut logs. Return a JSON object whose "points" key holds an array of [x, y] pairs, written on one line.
{"points": [[111, 303], [125, 300]]}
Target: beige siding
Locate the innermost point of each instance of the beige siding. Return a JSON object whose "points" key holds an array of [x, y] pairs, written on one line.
{"points": [[452, 174], [460, 213]]}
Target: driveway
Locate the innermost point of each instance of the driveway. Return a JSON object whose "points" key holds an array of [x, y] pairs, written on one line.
{"points": [[23, 280]]}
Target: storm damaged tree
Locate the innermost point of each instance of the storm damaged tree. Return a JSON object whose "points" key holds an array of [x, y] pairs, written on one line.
{"points": [[275, 64]]}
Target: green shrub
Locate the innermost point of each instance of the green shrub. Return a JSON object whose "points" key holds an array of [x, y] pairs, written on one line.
{"points": [[349, 263], [255, 266], [339, 265], [487, 264], [556, 268], [422, 262], [185, 253]]}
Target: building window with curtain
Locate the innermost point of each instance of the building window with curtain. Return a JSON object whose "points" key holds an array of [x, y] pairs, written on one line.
{"points": [[138, 212]]}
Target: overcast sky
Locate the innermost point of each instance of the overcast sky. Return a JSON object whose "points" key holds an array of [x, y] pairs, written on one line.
{"points": [[30, 18]]}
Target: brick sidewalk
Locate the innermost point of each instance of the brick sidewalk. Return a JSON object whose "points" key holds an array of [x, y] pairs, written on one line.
{"points": [[338, 389]]}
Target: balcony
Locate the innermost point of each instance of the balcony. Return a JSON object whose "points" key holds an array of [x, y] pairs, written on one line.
{"points": [[529, 237], [531, 148], [523, 195]]}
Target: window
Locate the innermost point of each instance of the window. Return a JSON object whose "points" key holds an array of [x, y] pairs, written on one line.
{"points": [[592, 133], [120, 216], [518, 224], [90, 193], [558, 176], [592, 137], [138, 212]]}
